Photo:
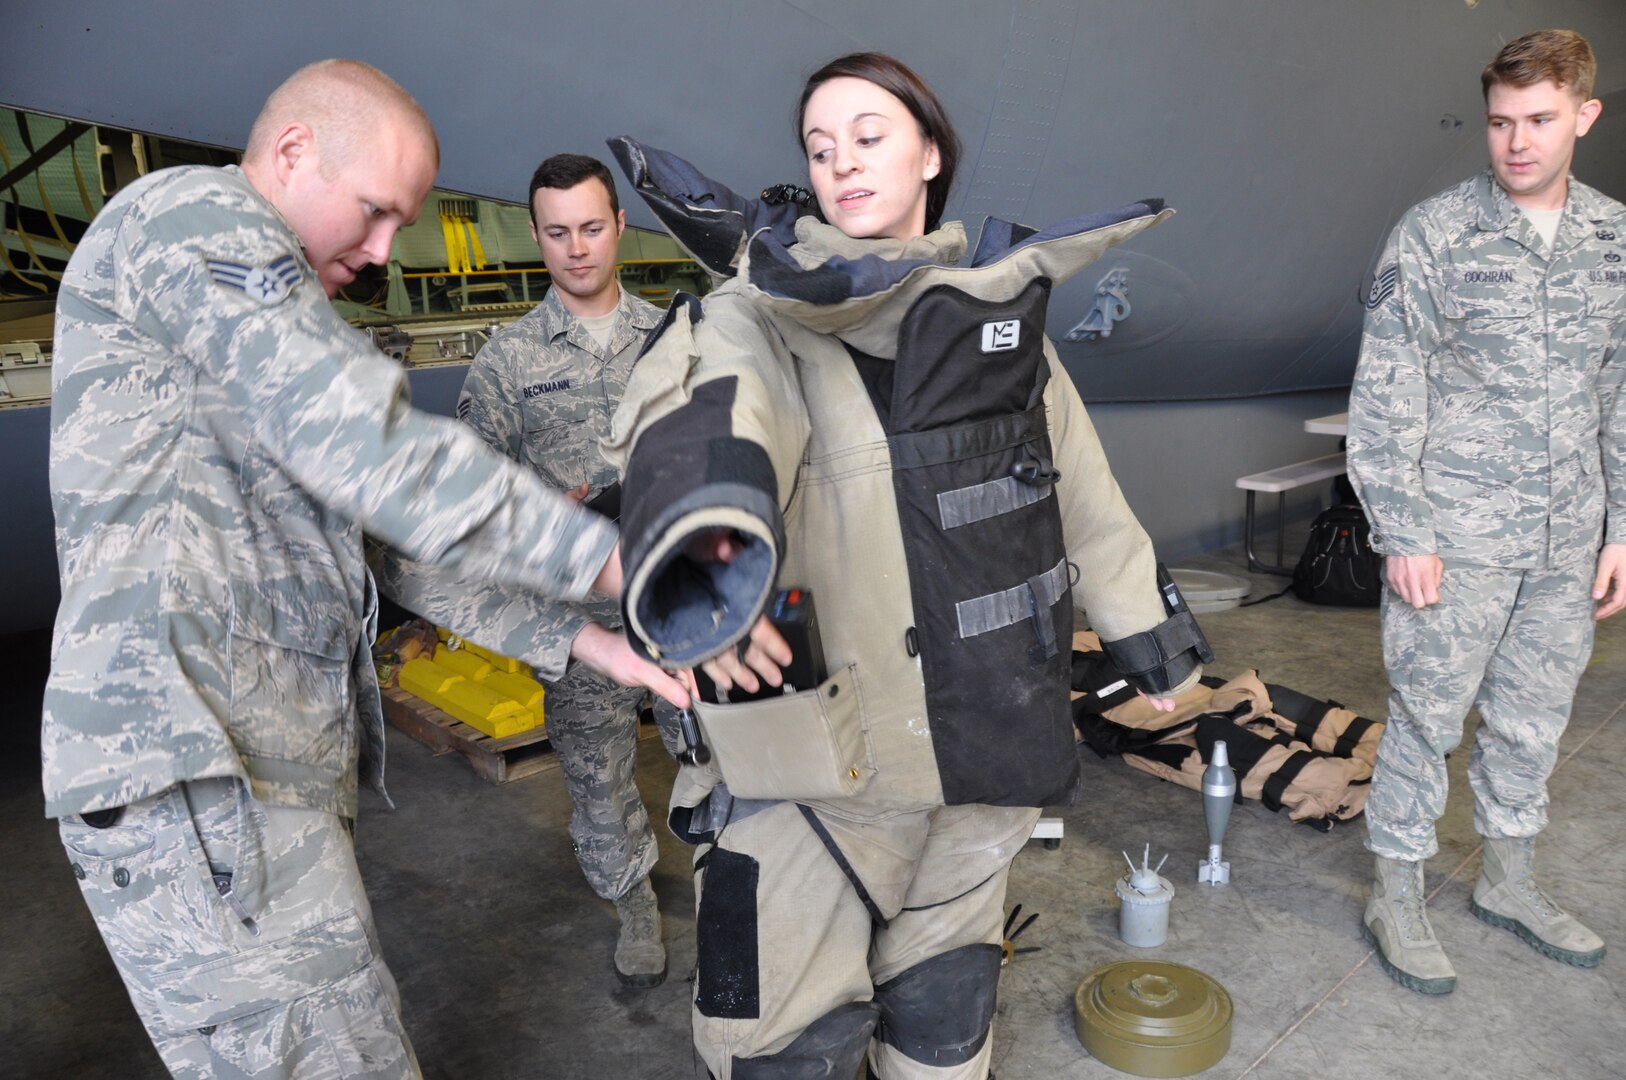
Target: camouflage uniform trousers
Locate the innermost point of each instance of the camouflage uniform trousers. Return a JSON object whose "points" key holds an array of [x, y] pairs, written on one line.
{"points": [[1512, 642], [592, 722], [302, 994]]}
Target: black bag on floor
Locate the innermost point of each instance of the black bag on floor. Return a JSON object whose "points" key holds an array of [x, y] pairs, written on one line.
{"points": [[1338, 566]]}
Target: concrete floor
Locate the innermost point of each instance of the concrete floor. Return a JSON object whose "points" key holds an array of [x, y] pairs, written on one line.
{"points": [[503, 954]]}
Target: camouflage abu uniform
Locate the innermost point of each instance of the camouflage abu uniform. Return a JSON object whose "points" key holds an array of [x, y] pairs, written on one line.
{"points": [[219, 439], [542, 392], [1484, 427]]}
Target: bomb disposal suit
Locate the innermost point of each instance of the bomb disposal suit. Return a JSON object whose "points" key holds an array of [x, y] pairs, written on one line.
{"points": [[895, 434]]}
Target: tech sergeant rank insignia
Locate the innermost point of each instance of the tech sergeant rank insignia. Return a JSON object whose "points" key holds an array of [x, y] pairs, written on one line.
{"points": [[268, 284]]}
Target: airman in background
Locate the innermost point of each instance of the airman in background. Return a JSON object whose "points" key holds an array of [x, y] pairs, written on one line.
{"points": [[542, 392]]}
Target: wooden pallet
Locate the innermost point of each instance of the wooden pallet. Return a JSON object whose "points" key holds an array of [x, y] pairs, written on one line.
{"points": [[497, 760]]}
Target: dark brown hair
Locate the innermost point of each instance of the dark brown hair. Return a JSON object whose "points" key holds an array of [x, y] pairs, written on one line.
{"points": [[1560, 55], [561, 172], [897, 79]]}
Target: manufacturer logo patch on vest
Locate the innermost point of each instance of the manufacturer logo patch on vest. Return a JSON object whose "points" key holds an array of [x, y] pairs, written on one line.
{"points": [[536, 390], [268, 284], [1001, 335]]}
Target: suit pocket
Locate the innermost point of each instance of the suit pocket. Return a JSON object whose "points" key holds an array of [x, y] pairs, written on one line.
{"points": [[810, 745]]}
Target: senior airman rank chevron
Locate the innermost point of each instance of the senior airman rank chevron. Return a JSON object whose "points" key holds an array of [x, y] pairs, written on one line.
{"points": [[269, 284], [1383, 285]]}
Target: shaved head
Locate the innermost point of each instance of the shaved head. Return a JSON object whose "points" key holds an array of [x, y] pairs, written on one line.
{"points": [[347, 158], [342, 102]]}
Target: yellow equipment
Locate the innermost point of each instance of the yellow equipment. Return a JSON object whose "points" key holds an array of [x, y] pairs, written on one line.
{"points": [[490, 692]]}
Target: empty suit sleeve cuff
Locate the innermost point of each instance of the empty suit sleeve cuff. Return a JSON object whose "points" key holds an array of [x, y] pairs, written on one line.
{"points": [[1165, 659], [691, 478], [681, 609]]}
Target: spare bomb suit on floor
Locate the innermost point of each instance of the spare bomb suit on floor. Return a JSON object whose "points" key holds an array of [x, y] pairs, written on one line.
{"points": [[885, 430], [1486, 427]]}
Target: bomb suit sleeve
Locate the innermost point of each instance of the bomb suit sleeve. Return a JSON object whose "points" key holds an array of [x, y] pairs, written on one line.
{"points": [[1388, 403], [709, 437], [1117, 569]]}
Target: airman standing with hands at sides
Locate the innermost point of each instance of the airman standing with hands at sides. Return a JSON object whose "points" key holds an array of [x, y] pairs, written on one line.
{"points": [[1488, 444]]}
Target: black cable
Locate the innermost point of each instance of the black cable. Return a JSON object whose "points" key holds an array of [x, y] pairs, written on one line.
{"points": [[1267, 599]]}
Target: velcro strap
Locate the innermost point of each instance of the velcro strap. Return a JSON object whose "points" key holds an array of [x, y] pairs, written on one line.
{"points": [[995, 611], [1109, 739], [1275, 787], [1351, 738], [1103, 685], [1044, 627], [962, 506], [1305, 728], [1305, 712], [1170, 755], [1148, 651], [1244, 747]]}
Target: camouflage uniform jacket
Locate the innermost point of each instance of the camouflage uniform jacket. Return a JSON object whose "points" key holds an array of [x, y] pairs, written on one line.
{"points": [[541, 392], [1483, 420], [219, 439]]}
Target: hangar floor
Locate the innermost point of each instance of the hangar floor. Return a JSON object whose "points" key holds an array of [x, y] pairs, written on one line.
{"points": [[503, 954]]}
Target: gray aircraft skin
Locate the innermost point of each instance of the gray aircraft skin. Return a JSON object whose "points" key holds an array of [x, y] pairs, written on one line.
{"points": [[1288, 136]]}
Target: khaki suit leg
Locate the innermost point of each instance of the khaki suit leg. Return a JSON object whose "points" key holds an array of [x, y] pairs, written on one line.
{"points": [[957, 899], [781, 935]]}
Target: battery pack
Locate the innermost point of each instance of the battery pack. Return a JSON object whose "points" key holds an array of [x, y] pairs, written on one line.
{"points": [[793, 615]]}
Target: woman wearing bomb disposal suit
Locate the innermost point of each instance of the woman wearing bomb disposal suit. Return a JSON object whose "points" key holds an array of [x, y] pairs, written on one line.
{"points": [[870, 421]]}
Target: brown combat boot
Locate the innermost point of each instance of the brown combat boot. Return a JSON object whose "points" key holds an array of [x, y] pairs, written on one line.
{"points": [[640, 958], [1397, 926], [1507, 896]]}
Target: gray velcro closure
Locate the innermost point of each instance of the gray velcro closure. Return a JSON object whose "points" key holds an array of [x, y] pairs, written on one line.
{"points": [[994, 611], [962, 506]]}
